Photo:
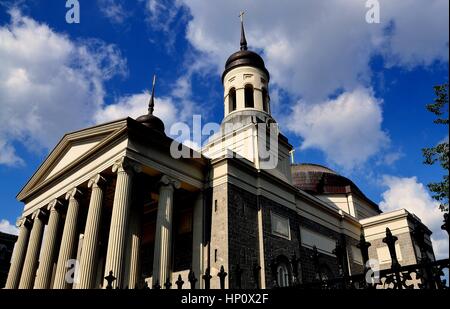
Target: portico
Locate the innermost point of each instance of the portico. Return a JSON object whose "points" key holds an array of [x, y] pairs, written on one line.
{"points": [[129, 203]]}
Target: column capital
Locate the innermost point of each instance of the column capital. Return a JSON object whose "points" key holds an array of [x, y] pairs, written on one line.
{"points": [[24, 221], [73, 194], [127, 165], [167, 180], [39, 213], [96, 181], [54, 205]]}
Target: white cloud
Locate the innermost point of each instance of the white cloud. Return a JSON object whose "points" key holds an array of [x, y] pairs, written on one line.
{"points": [[165, 16], [136, 105], [113, 10], [412, 195], [314, 48], [419, 35], [49, 85], [162, 13], [8, 228], [8, 155], [347, 129], [390, 158]]}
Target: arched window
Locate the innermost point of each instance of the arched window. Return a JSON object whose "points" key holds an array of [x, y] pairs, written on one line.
{"points": [[232, 99], [283, 275], [249, 101], [265, 98]]}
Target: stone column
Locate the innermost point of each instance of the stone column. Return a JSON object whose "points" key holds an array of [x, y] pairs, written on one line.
{"points": [[197, 238], [115, 255], [88, 258], [20, 249], [34, 247], [45, 270], [163, 236], [68, 241], [135, 245]]}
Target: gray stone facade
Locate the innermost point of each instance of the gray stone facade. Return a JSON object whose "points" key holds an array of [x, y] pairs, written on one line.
{"points": [[407, 251], [241, 219], [243, 235], [328, 264], [276, 248]]}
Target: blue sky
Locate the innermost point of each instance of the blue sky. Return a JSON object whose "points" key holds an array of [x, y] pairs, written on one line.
{"points": [[348, 94]]}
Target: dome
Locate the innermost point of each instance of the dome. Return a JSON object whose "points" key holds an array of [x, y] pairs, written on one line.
{"points": [[318, 179], [310, 167], [245, 58], [152, 122]]}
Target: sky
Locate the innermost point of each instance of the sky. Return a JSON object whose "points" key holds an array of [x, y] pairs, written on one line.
{"points": [[348, 94]]}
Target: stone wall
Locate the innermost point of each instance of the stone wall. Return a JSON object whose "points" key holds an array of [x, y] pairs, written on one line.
{"points": [[243, 235], [408, 255], [276, 246], [328, 263], [235, 210], [218, 232], [355, 268]]}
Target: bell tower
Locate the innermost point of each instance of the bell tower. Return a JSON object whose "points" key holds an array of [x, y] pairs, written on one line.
{"points": [[246, 83], [248, 129]]}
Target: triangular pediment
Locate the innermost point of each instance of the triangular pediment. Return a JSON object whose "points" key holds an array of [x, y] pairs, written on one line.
{"points": [[74, 150], [71, 148]]}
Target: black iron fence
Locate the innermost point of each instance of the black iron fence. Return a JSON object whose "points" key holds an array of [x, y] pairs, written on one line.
{"points": [[192, 279], [426, 274]]}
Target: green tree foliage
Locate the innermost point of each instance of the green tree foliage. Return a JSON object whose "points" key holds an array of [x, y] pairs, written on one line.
{"points": [[439, 153]]}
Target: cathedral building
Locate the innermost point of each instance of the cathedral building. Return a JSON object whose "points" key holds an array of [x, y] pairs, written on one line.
{"points": [[112, 199]]}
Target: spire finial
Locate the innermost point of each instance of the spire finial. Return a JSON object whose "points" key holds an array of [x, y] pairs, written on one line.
{"points": [[151, 104], [243, 40]]}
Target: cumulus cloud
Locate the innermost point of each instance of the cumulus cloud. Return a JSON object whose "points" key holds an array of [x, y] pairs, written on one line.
{"points": [[134, 106], [416, 35], [8, 228], [8, 155], [314, 48], [412, 195], [49, 84], [347, 129]]}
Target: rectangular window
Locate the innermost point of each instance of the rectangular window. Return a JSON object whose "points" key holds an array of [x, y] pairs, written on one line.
{"points": [[323, 243], [384, 257], [280, 226]]}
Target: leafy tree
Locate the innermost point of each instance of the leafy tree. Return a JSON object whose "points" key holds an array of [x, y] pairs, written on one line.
{"points": [[439, 153]]}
